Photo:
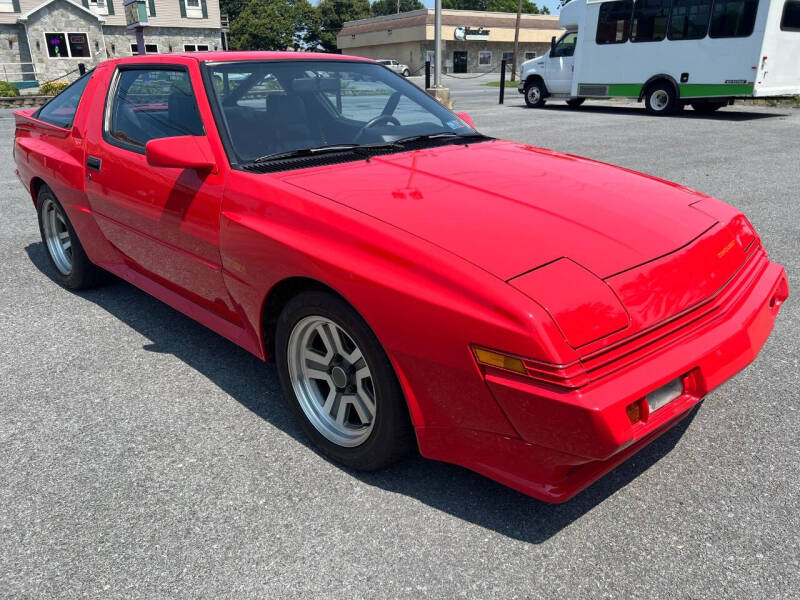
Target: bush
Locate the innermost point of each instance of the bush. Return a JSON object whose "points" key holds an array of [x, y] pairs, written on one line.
{"points": [[8, 89], [52, 88]]}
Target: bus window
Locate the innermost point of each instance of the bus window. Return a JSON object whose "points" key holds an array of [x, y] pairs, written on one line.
{"points": [[689, 19], [790, 21], [650, 20], [614, 22], [733, 18]]}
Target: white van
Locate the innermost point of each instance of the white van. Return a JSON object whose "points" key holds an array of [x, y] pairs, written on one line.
{"points": [[669, 53]]}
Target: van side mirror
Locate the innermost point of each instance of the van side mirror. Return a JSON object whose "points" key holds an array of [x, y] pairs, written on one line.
{"points": [[182, 152], [552, 46]]}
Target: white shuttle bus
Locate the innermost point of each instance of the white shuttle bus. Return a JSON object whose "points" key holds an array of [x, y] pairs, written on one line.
{"points": [[669, 53]]}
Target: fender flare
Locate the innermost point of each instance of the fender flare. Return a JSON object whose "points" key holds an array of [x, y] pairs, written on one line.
{"points": [[659, 77]]}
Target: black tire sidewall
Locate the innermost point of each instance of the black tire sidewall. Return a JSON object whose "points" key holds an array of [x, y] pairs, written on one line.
{"points": [[671, 104], [541, 101], [392, 435], [84, 274]]}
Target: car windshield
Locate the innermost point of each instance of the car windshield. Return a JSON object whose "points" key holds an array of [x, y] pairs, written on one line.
{"points": [[277, 107]]}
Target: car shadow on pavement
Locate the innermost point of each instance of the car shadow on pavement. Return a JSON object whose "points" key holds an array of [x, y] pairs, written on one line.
{"points": [[448, 488], [739, 113]]}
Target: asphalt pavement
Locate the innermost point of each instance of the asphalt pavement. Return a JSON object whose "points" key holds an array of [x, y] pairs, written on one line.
{"points": [[142, 456]]}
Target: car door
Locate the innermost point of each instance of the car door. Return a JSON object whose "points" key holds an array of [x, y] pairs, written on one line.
{"points": [[164, 220], [561, 64]]}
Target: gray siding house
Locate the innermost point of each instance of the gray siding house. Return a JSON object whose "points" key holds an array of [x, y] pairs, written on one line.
{"points": [[42, 41]]}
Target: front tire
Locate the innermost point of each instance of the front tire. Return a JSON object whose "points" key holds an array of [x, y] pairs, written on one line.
{"points": [[406, 73], [340, 384], [71, 266], [535, 94], [660, 99]]}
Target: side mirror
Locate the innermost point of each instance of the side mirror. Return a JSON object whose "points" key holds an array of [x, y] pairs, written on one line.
{"points": [[182, 152], [466, 118], [552, 46]]}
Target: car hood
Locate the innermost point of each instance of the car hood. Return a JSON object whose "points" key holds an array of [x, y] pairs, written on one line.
{"points": [[509, 208]]}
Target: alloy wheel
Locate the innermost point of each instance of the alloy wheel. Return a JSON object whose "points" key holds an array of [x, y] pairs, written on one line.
{"points": [[332, 381], [57, 237]]}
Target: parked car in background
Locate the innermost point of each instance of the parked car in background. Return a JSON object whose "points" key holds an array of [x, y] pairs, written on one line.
{"points": [[395, 66], [413, 289], [669, 53]]}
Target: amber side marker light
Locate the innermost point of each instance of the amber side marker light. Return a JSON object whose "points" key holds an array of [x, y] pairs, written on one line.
{"points": [[501, 361], [634, 410]]}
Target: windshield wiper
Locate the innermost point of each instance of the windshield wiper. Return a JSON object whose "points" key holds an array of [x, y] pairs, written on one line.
{"points": [[363, 149], [440, 135]]}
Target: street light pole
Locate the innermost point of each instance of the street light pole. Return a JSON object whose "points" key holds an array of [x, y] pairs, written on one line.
{"points": [[516, 43], [437, 46]]}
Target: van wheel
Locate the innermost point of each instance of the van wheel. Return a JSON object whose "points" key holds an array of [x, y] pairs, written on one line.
{"points": [[534, 94], [706, 108], [575, 102], [406, 72], [71, 266], [660, 99]]}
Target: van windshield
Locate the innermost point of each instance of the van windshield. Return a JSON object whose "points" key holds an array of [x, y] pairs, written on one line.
{"points": [[276, 107]]}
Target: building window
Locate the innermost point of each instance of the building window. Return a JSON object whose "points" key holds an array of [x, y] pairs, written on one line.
{"points": [[484, 58], [193, 9], [67, 45], [195, 47], [99, 6], [148, 49], [6, 6], [530, 55], [508, 56]]}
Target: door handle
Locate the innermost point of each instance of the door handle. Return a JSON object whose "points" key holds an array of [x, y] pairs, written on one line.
{"points": [[94, 163]]}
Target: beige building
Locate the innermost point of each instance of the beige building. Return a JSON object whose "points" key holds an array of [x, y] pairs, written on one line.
{"points": [[473, 41], [42, 40]]}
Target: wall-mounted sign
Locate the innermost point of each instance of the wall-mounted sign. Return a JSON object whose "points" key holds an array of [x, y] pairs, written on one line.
{"points": [[471, 33], [135, 13]]}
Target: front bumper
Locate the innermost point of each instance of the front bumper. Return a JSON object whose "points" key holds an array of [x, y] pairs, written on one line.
{"points": [[570, 438]]}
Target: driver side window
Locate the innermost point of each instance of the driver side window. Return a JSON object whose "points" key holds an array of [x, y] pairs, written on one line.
{"points": [[566, 45]]}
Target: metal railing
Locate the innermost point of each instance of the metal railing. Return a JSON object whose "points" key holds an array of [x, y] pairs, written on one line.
{"points": [[16, 72]]}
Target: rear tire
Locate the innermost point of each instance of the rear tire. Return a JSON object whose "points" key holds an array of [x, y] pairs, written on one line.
{"points": [[706, 108], [535, 92], [71, 266], [340, 384], [575, 102], [406, 73], [660, 99]]}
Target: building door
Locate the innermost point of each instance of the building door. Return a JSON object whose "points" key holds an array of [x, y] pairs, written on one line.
{"points": [[459, 62]]}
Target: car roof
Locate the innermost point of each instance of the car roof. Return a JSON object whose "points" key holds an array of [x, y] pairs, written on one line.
{"points": [[227, 56]]}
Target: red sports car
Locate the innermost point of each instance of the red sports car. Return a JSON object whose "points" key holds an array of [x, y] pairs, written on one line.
{"points": [[534, 316]]}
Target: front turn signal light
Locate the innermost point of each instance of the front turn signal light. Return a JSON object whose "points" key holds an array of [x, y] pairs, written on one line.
{"points": [[501, 361]]}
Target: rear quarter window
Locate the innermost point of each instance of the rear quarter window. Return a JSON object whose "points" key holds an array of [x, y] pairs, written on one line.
{"points": [[60, 111], [790, 20]]}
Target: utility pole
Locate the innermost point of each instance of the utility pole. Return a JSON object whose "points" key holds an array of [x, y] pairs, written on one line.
{"points": [[516, 42], [398, 7], [437, 46]]}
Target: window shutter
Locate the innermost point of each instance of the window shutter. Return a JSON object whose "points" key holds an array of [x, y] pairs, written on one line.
{"points": [[86, 3], [183, 7], [204, 6], [15, 5], [110, 6], [152, 8]]}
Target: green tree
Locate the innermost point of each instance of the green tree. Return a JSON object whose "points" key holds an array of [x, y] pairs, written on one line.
{"points": [[332, 14], [389, 7], [274, 25], [510, 6]]}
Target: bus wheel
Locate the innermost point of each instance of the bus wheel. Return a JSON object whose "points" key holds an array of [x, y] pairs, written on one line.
{"points": [[575, 102], [706, 108], [534, 94], [660, 99]]}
